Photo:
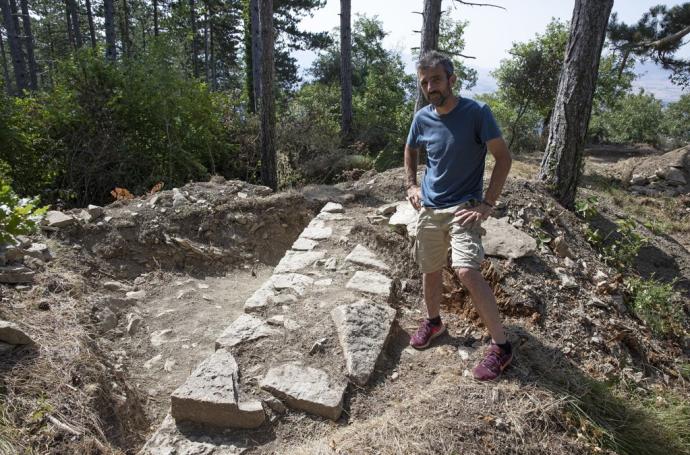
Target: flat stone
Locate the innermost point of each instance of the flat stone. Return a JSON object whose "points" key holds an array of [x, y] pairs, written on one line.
{"points": [[173, 438], [294, 281], [567, 281], [95, 211], [331, 264], [260, 298], [326, 216], [15, 274], [317, 230], [116, 286], [305, 388], [245, 328], [160, 337], [134, 322], [294, 261], [136, 295], [302, 244], [371, 282], [363, 256], [405, 216], [387, 209], [505, 241], [57, 219], [363, 328], [209, 396], [333, 207], [39, 251], [10, 333], [283, 299]]}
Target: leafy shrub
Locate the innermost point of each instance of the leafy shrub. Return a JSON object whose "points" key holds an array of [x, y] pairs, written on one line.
{"points": [[655, 303], [17, 216], [633, 118]]}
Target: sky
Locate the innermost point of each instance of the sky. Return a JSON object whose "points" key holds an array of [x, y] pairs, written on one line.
{"points": [[490, 33]]}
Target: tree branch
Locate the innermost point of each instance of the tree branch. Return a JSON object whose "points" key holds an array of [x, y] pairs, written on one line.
{"points": [[480, 4]]}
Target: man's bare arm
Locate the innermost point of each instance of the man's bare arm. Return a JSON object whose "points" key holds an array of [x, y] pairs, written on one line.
{"points": [[414, 194], [499, 150]]}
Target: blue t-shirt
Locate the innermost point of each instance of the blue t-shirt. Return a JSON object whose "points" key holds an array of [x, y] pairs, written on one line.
{"points": [[455, 145]]}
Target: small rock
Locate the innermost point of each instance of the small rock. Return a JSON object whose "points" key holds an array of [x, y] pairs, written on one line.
{"points": [[107, 320], [560, 247], [134, 322], [276, 405], [160, 337], [152, 361], [13, 274], [136, 295], [331, 264], [95, 211], [179, 199], [317, 346], [169, 364], [55, 219], [395, 376], [387, 210], [333, 207], [116, 286], [465, 352], [10, 333], [567, 281]]}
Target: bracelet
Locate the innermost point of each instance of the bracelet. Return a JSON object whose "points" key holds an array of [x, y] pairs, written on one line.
{"points": [[485, 202]]}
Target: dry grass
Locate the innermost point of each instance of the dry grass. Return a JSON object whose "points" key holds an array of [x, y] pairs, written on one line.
{"points": [[59, 394]]}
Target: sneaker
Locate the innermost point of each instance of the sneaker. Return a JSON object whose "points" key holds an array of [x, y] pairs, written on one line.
{"points": [[425, 333], [495, 361]]}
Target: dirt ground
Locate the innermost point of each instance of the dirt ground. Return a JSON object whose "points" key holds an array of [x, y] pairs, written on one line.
{"points": [[192, 266]]}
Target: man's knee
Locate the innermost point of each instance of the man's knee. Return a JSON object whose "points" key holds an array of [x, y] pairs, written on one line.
{"points": [[468, 274]]}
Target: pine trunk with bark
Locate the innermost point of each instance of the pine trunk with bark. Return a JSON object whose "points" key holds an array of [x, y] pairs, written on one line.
{"points": [[29, 42], [195, 43], [269, 174], [253, 48], [73, 12], [5, 68], [155, 17], [68, 23], [345, 69], [124, 30], [212, 55], [430, 30], [561, 165], [14, 41], [109, 13], [92, 27]]}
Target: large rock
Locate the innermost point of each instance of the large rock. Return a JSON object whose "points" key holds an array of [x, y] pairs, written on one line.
{"points": [[505, 241], [293, 281], [362, 256], [260, 298], [305, 388], [245, 328], [316, 230], [209, 396], [10, 333], [302, 244], [294, 261], [39, 251], [16, 274], [363, 328], [405, 216], [674, 176], [56, 219], [370, 282], [333, 207]]}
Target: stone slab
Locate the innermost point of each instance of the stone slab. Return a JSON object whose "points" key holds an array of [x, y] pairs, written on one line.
{"points": [[302, 244], [209, 396], [363, 256], [294, 261], [16, 274], [370, 282], [244, 329], [305, 388], [57, 219], [10, 333], [363, 328], [333, 207], [505, 241], [405, 216], [261, 298], [294, 281], [317, 230]]}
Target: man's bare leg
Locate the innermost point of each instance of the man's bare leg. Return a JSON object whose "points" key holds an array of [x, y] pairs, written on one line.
{"points": [[432, 284], [484, 301]]}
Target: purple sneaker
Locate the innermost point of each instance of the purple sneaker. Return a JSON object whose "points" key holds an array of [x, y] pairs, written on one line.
{"points": [[425, 333], [495, 361]]}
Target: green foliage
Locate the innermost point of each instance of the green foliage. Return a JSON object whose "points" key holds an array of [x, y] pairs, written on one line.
{"points": [[587, 208], [676, 122], [633, 118], [656, 303], [17, 216], [623, 244], [451, 40]]}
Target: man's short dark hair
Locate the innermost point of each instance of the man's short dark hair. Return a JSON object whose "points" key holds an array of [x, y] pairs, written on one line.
{"points": [[432, 58]]}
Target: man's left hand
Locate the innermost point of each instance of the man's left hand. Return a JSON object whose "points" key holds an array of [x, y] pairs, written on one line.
{"points": [[472, 215]]}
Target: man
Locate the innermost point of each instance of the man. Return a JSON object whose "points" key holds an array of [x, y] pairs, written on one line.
{"points": [[456, 132]]}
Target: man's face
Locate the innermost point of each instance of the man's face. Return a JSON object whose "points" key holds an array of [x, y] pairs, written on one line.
{"points": [[436, 85]]}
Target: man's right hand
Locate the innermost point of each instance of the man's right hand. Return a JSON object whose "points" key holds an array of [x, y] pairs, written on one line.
{"points": [[414, 195]]}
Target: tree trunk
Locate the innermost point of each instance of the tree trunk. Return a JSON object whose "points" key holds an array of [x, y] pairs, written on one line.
{"points": [[212, 57], [195, 45], [269, 175], [109, 12], [124, 29], [29, 41], [345, 70], [92, 28], [256, 51], [74, 14], [206, 49], [155, 17], [5, 68], [430, 32], [561, 165], [70, 30], [14, 40]]}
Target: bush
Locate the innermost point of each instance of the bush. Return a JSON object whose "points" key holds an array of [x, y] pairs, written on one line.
{"points": [[655, 303], [634, 118], [17, 216], [676, 121]]}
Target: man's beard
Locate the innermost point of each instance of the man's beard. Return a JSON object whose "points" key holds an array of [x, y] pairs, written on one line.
{"points": [[437, 98]]}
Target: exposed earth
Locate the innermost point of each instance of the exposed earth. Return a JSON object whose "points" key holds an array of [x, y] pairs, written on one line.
{"points": [[125, 305]]}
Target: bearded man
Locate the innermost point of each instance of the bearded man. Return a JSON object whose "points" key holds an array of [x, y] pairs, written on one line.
{"points": [[456, 133]]}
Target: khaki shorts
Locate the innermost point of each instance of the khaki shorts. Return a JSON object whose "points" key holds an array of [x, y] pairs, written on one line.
{"points": [[436, 232]]}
